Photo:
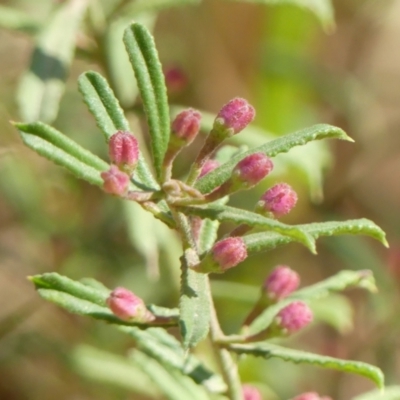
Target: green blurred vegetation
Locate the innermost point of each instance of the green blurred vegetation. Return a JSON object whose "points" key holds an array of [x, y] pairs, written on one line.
{"points": [[296, 74]]}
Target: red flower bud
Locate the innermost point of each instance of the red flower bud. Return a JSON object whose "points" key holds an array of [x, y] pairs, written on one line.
{"points": [[209, 166], [278, 200], [227, 253], [281, 283], [124, 151], [186, 125], [234, 117], [128, 307], [115, 181], [311, 396], [175, 79], [294, 317], [250, 393], [252, 169]]}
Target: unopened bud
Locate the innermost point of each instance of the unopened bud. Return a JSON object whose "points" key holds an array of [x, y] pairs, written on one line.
{"points": [[233, 117], [128, 307], [281, 283], [226, 254], [294, 317], [209, 166], [251, 170], [277, 201], [310, 396], [124, 151], [175, 80], [186, 126], [115, 181], [250, 393]]}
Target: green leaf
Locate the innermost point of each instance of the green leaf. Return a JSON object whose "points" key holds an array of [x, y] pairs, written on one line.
{"points": [[120, 73], [89, 299], [102, 103], [107, 368], [338, 282], [11, 18], [266, 241], [110, 118], [268, 350], [388, 393], [322, 9], [86, 299], [60, 157], [164, 348], [64, 143], [150, 79], [281, 145], [194, 307], [43, 85], [239, 216], [154, 6], [171, 382]]}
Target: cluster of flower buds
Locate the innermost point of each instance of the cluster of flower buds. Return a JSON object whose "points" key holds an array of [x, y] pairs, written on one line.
{"points": [[124, 155], [128, 307], [311, 396]]}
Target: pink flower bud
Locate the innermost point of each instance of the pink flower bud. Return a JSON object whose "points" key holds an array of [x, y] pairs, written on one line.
{"points": [[278, 200], [115, 181], [250, 393], [294, 317], [186, 125], [252, 169], [281, 283], [311, 396], [175, 79], [227, 253], [209, 166], [127, 306], [234, 117], [124, 151]]}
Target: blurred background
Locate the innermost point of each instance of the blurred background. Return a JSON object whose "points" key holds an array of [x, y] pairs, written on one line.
{"points": [[299, 63]]}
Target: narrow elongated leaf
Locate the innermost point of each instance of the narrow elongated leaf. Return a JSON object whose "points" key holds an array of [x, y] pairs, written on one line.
{"points": [[150, 79], [322, 9], [11, 18], [89, 299], [389, 393], [164, 348], [62, 142], [266, 241], [338, 282], [111, 369], [194, 306], [281, 145], [43, 85], [110, 118], [239, 216], [145, 6], [86, 299], [59, 157], [268, 350], [102, 103], [171, 382]]}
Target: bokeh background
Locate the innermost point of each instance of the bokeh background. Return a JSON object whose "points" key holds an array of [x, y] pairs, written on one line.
{"points": [[299, 65]]}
